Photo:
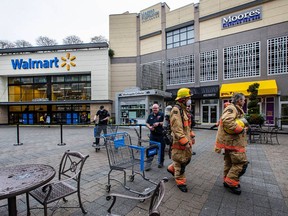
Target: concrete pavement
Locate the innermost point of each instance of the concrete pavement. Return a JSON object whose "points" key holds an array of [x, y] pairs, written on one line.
{"points": [[264, 186]]}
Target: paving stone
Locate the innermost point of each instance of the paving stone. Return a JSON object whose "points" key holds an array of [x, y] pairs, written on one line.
{"points": [[264, 185]]}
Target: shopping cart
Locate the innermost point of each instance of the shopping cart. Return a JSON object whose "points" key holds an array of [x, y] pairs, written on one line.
{"points": [[122, 156], [102, 129]]}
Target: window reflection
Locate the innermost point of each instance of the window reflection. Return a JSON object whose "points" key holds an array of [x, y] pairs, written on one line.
{"points": [[72, 87]]}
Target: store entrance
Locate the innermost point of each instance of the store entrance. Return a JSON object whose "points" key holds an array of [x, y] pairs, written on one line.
{"points": [[52, 114], [209, 111]]}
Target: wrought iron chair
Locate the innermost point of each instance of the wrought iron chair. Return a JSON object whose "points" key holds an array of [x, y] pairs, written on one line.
{"points": [[273, 136], [68, 183], [156, 198], [255, 134]]}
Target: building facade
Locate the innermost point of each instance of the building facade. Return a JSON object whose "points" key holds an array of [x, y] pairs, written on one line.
{"points": [[67, 83], [215, 48]]}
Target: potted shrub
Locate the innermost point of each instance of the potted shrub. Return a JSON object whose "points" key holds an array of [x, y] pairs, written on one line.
{"points": [[253, 116]]}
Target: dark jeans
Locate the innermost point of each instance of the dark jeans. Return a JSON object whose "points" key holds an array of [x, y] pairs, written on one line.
{"points": [[99, 130], [159, 138]]}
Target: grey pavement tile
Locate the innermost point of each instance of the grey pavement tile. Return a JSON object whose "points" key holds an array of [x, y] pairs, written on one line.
{"points": [[263, 185], [262, 201], [262, 211]]}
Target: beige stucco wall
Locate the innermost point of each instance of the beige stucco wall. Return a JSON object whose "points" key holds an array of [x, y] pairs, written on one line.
{"points": [[208, 7], [123, 35], [180, 15], [123, 76], [272, 12], [152, 25], [150, 45]]}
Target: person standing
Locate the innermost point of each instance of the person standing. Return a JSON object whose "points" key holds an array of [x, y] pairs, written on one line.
{"points": [[155, 125], [41, 120], [183, 138], [101, 119], [231, 136]]}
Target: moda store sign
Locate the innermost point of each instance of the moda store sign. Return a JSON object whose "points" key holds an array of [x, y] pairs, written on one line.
{"points": [[242, 18]]}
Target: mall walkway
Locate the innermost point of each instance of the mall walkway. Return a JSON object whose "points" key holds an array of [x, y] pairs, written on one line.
{"points": [[264, 186]]}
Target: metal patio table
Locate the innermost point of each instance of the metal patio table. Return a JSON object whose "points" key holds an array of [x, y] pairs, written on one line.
{"points": [[19, 179]]}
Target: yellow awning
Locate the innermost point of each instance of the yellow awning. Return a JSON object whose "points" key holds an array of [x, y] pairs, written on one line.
{"points": [[266, 87]]}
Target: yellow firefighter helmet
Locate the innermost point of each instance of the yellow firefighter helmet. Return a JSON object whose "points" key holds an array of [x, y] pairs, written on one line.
{"points": [[239, 122], [183, 93]]}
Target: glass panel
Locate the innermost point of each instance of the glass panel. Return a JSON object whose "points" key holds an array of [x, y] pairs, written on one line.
{"points": [[40, 107], [213, 111], [15, 109], [284, 114], [40, 79], [27, 80], [14, 80], [71, 78], [284, 98], [85, 78], [176, 38], [183, 29], [57, 92], [190, 27], [27, 92], [169, 40], [57, 78], [205, 114], [40, 91], [190, 35], [183, 36]]}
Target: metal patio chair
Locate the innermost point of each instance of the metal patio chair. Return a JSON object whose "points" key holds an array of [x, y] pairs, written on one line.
{"points": [[156, 198], [68, 183]]}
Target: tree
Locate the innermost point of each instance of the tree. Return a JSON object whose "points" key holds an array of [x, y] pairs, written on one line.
{"points": [[73, 39], [4, 44], [45, 41], [98, 39], [254, 116], [22, 43]]}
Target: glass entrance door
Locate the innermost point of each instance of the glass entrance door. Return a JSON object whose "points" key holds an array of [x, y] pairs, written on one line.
{"points": [[209, 111]]}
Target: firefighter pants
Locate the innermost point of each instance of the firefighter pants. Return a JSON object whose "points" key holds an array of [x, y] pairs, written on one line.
{"points": [[180, 158], [235, 164]]}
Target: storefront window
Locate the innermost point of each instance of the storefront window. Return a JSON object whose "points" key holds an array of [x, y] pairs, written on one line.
{"points": [[63, 88], [40, 91], [132, 112]]}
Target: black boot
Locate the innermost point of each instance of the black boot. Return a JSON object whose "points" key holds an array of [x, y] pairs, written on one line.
{"points": [[227, 186], [234, 190], [183, 188]]}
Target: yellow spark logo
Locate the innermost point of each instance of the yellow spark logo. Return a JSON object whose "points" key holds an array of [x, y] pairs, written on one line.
{"points": [[68, 61]]}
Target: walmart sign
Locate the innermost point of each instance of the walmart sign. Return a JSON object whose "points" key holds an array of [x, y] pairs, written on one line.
{"points": [[34, 64]]}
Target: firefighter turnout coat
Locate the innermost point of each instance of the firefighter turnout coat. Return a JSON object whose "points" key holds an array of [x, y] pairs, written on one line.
{"points": [[236, 141], [182, 134]]}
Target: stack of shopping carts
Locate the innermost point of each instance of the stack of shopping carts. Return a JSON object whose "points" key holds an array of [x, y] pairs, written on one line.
{"points": [[123, 156]]}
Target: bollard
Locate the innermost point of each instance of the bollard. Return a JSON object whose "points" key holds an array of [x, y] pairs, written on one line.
{"points": [[18, 142], [61, 136]]}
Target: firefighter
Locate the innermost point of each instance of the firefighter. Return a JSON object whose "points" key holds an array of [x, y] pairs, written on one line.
{"points": [[231, 137], [183, 138]]}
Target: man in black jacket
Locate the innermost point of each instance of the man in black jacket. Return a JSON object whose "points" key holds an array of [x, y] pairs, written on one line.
{"points": [[102, 118]]}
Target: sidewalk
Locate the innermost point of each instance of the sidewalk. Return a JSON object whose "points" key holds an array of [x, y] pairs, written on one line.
{"points": [[264, 186]]}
